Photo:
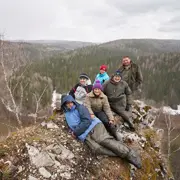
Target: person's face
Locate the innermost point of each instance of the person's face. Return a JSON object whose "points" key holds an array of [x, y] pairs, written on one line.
{"points": [[69, 105], [116, 78], [102, 71], [83, 81], [97, 91], [126, 61]]}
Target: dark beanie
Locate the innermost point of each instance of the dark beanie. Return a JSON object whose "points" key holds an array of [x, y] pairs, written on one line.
{"points": [[84, 75], [97, 85], [118, 73]]}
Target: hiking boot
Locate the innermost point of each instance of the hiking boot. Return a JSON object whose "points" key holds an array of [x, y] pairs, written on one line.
{"points": [[134, 158], [116, 134], [130, 124]]}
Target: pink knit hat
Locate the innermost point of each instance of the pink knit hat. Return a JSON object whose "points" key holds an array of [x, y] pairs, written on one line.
{"points": [[97, 85]]}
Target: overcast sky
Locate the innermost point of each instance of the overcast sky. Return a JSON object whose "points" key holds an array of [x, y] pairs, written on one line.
{"points": [[90, 20]]}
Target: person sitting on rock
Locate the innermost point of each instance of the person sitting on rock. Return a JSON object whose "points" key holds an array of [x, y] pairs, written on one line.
{"points": [[93, 132], [119, 97], [97, 104], [80, 90], [102, 76]]}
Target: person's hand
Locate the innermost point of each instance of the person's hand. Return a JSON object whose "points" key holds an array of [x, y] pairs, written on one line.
{"points": [[73, 135], [92, 116]]}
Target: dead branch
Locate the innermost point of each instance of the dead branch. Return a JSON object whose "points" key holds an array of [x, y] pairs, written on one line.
{"points": [[170, 128], [176, 150], [21, 77], [38, 100], [7, 83], [172, 140]]}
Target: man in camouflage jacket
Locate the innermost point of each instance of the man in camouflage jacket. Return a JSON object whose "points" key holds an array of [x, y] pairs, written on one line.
{"points": [[131, 73]]}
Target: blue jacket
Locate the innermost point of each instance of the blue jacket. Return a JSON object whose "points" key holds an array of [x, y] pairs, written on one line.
{"points": [[102, 77], [78, 118]]}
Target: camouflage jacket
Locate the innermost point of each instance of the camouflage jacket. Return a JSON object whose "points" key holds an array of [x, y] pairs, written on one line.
{"points": [[134, 74]]}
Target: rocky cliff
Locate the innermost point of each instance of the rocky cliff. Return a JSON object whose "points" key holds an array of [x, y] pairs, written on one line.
{"points": [[48, 151]]}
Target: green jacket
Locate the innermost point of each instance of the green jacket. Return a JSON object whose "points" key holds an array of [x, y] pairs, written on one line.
{"points": [[119, 94], [133, 76]]}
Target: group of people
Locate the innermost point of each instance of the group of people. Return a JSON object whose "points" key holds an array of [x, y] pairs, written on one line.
{"points": [[89, 109]]}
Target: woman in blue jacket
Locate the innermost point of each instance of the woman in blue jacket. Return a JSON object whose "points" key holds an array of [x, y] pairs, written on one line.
{"points": [[93, 132], [102, 76]]}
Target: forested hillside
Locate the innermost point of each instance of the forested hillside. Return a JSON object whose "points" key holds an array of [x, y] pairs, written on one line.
{"points": [[32, 82], [161, 77], [161, 70], [18, 57], [145, 46]]}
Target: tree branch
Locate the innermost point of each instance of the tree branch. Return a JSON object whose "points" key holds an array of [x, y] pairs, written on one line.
{"points": [[6, 82]]}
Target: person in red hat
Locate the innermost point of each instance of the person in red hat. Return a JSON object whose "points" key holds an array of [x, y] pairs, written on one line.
{"points": [[102, 76]]}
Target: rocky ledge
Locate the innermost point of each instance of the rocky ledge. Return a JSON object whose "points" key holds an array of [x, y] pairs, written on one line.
{"points": [[48, 151]]}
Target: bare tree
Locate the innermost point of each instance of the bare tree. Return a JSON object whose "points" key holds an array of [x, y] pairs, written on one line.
{"points": [[11, 59], [38, 100], [170, 138], [2, 62]]}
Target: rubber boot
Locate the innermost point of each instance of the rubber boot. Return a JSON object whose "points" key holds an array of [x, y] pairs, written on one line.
{"points": [[134, 158], [130, 124], [123, 151], [105, 151], [114, 131]]}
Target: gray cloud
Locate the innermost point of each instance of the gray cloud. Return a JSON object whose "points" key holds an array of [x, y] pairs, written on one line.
{"points": [[171, 26], [170, 29], [86, 20], [144, 6], [174, 20]]}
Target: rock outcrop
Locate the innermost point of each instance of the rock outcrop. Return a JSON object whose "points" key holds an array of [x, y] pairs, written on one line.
{"points": [[48, 151]]}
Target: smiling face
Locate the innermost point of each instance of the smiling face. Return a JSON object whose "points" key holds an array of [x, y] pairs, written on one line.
{"points": [[83, 81], [117, 78], [97, 91], [102, 71], [126, 61]]}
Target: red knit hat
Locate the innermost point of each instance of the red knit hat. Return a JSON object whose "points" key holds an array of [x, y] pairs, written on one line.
{"points": [[103, 67]]}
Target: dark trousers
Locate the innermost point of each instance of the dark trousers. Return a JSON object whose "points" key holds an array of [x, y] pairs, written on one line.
{"points": [[102, 143], [103, 117], [124, 114]]}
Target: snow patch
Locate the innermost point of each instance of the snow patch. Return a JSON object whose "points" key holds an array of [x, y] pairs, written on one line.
{"points": [[56, 100], [165, 109], [169, 110]]}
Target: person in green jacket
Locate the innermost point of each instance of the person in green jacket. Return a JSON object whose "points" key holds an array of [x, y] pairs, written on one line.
{"points": [[131, 73], [119, 97]]}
